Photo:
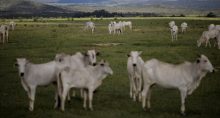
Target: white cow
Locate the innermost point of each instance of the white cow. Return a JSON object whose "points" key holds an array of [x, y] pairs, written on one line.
{"points": [[110, 28], [128, 24], [134, 67], [217, 27], [171, 24], [174, 32], [184, 27], [33, 75], [218, 41], [185, 77], [2, 34], [116, 27], [80, 60], [12, 25], [211, 27], [90, 25], [206, 36], [88, 78]]}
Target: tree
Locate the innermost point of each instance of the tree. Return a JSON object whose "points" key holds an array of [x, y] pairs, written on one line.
{"points": [[211, 14]]}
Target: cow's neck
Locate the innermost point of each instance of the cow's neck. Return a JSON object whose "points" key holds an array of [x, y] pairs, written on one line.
{"points": [[98, 74], [197, 72]]}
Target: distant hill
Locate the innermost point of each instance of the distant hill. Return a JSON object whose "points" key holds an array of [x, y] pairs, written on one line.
{"points": [[188, 4], [74, 8], [29, 8]]}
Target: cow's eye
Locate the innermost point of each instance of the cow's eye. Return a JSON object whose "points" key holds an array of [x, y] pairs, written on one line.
{"points": [[60, 60], [16, 65]]}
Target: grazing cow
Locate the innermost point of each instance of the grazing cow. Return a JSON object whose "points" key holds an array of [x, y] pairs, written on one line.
{"points": [[171, 24], [184, 27], [134, 67], [185, 77], [90, 25], [12, 25], [174, 32], [206, 36], [211, 27], [128, 24], [116, 27], [88, 78]]}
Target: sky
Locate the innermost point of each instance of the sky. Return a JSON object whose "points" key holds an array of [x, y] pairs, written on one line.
{"points": [[121, 0]]}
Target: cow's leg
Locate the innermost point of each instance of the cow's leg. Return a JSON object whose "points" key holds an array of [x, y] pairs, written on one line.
{"points": [[183, 92], [63, 97], [85, 93], [148, 98], [144, 94], [139, 88], [68, 96], [218, 41], [73, 92], [134, 92], [176, 36], [90, 99], [32, 98], [131, 84]]}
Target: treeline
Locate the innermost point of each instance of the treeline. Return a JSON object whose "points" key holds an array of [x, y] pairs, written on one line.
{"points": [[96, 13]]}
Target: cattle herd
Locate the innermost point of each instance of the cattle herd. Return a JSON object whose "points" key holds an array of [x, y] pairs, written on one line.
{"points": [[81, 71]]}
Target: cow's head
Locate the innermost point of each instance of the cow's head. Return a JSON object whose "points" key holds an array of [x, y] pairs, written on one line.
{"points": [[205, 64], [91, 56], [62, 60], [134, 55], [105, 67], [21, 65]]}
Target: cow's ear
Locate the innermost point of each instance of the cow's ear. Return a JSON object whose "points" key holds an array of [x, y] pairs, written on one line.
{"points": [[199, 55], [60, 59], [128, 55], [85, 54], [140, 52], [16, 64], [97, 53], [198, 61]]}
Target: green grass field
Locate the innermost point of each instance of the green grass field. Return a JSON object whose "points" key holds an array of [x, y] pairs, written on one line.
{"points": [[39, 42]]}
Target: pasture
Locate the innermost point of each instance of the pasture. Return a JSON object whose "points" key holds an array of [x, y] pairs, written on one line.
{"points": [[40, 41]]}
